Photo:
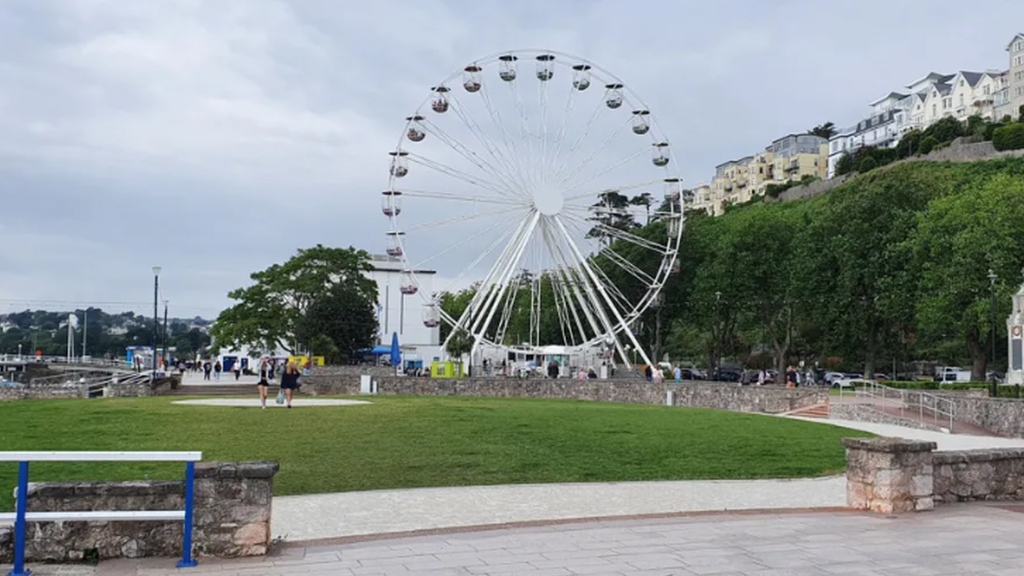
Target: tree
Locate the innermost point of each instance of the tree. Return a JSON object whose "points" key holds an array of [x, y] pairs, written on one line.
{"points": [[928, 143], [846, 164], [826, 130], [643, 199], [944, 130], [1009, 137], [958, 239], [909, 144], [610, 213], [459, 344], [267, 314], [866, 164], [338, 323]]}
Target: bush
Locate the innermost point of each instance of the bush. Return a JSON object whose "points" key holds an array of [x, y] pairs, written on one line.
{"points": [[845, 164], [928, 144], [909, 144], [945, 130], [934, 385], [1009, 137], [990, 129], [866, 164]]}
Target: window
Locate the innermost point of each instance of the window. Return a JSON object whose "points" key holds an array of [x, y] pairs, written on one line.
{"points": [[961, 99], [961, 82], [1018, 46], [988, 90], [935, 109]]}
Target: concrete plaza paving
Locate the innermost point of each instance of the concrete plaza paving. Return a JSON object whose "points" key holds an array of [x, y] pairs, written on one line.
{"points": [[271, 403], [981, 540]]}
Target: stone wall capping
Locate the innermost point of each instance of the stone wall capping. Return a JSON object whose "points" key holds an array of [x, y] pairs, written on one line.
{"points": [[893, 445], [257, 469]]}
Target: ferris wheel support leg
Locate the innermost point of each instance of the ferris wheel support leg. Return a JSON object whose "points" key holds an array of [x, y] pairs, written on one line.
{"points": [[510, 269], [589, 285], [466, 318], [607, 299], [498, 276]]}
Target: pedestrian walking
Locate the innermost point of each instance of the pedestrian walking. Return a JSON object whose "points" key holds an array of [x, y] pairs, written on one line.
{"points": [[238, 369], [791, 381], [216, 370], [207, 368], [290, 381], [264, 382]]}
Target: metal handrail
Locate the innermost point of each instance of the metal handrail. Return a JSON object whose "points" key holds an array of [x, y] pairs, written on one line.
{"points": [[937, 407], [22, 516]]}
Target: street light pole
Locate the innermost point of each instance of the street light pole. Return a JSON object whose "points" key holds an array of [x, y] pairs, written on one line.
{"points": [[992, 294], [718, 336], [164, 354], [156, 319]]}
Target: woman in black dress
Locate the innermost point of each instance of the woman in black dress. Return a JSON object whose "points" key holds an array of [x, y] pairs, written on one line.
{"points": [[289, 382], [264, 382]]}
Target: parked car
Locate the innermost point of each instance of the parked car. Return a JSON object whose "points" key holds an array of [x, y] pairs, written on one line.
{"points": [[726, 375], [851, 383], [831, 378]]}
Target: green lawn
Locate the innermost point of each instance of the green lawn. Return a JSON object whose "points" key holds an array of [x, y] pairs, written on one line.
{"points": [[414, 442]]}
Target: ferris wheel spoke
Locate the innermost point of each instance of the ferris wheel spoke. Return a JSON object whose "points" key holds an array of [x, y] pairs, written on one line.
{"points": [[575, 146], [570, 174], [469, 178], [592, 194], [422, 263], [510, 144], [622, 235], [625, 264], [455, 219], [507, 169], [608, 283], [563, 316], [498, 174], [606, 170], [552, 160], [476, 261], [524, 133], [573, 282], [449, 196]]}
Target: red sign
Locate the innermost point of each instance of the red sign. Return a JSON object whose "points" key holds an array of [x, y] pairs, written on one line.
{"points": [[39, 352]]}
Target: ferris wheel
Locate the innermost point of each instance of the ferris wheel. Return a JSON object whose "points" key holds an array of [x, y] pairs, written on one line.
{"points": [[544, 181]]}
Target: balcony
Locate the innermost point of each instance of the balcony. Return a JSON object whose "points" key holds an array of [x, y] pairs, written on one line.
{"points": [[792, 167], [742, 184]]}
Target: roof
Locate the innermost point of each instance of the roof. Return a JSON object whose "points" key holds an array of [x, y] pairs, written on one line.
{"points": [[1010, 43], [896, 95], [972, 77], [822, 140]]}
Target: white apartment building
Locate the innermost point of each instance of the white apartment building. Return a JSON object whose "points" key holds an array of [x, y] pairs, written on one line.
{"points": [[404, 311], [1010, 95], [926, 100]]}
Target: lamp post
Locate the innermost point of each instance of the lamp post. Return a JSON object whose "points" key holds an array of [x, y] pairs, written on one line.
{"points": [[163, 354], [718, 337], [156, 320], [992, 295]]}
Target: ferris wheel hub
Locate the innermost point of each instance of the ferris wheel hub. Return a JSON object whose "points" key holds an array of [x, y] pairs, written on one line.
{"points": [[548, 199]]}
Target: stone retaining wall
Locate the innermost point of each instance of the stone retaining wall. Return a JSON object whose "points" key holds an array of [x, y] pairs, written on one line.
{"points": [[161, 387], [890, 475], [717, 395], [232, 507], [967, 475], [1004, 416], [22, 392], [339, 380], [868, 413]]}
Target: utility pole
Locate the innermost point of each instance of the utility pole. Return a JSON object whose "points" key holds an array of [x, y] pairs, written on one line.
{"points": [[992, 336], [163, 354], [156, 320]]}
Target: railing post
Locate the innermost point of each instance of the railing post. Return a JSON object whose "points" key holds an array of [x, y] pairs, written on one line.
{"points": [[19, 523], [187, 561]]}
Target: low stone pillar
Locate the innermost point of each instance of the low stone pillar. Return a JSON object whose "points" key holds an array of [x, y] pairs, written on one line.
{"points": [[232, 508], [889, 475]]}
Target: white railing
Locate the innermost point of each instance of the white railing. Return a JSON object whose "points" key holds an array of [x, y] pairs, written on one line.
{"points": [[21, 516], [938, 409]]}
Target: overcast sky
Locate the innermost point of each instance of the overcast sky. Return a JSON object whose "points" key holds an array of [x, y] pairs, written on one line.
{"points": [[216, 137]]}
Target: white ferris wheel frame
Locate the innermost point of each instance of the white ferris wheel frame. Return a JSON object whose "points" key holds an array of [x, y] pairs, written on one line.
{"points": [[480, 313]]}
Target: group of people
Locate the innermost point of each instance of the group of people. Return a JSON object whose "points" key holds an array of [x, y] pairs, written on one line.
{"points": [[289, 380]]}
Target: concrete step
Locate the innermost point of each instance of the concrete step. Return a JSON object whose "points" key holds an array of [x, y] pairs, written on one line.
{"points": [[816, 411], [221, 390]]}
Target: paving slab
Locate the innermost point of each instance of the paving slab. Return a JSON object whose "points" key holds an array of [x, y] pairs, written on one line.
{"points": [[344, 514], [255, 402], [964, 539], [945, 441]]}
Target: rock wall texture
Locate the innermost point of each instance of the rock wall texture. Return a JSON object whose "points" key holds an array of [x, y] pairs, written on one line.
{"points": [[30, 392], [1003, 416], [968, 475], [889, 475], [231, 518], [867, 413], [717, 395]]}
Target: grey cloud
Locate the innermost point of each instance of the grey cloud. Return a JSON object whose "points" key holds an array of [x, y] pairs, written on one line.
{"points": [[217, 137]]}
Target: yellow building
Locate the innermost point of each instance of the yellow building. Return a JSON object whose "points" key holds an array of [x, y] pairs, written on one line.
{"points": [[798, 155]]}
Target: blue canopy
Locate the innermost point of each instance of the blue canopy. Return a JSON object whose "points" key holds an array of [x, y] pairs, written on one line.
{"points": [[396, 353], [378, 350]]}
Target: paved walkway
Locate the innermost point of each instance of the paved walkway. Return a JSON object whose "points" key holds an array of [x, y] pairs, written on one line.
{"points": [[944, 440], [271, 403], [321, 516], [956, 540]]}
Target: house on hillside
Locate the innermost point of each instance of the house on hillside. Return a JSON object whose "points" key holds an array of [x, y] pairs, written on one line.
{"points": [[1010, 96]]}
